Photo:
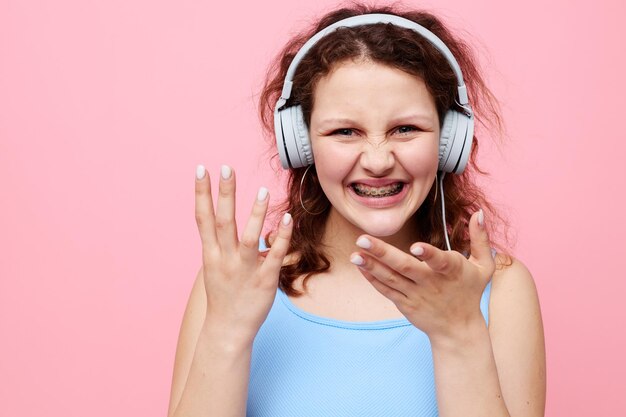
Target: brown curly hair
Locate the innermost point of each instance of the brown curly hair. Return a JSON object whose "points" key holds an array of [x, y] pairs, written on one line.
{"points": [[399, 48]]}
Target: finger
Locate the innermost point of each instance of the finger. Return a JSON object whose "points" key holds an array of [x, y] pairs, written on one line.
{"points": [[272, 237], [398, 285], [391, 256], [266, 248], [249, 247], [274, 257], [225, 225], [205, 217], [443, 262], [480, 247]]}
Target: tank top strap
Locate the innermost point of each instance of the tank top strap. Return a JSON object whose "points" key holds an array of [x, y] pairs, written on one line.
{"points": [[484, 300]]}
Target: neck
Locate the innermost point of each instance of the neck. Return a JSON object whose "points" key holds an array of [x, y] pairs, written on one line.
{"points": [[340, 237]]}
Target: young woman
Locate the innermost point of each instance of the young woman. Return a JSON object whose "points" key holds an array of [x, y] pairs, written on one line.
{"points": [[382, 293]]}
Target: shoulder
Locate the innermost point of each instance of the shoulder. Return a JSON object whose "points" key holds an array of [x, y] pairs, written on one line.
{"points": [[510, 266], [512, 284], [513, 294], [517, 338]]}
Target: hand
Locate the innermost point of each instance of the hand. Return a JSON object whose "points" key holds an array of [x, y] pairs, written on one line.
{"points": [[240, 281], [438, 291]]}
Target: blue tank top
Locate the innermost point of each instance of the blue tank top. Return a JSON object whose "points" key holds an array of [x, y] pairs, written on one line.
{"points": [[304, 365]]}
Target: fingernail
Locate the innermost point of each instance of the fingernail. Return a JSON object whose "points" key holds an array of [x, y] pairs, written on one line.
{"points": [[261, 194], [286, 219], [417, 250], [364, 243], [357, 260], [226, 171], [200, 171], [481, 218]]}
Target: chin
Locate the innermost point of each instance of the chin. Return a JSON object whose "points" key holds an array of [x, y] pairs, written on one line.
{"points": [[380, 226]]}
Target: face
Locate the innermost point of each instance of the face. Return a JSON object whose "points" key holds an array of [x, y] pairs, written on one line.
{"points": [[375, 140]]}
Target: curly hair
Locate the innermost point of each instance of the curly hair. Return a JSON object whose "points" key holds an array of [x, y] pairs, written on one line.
{"points": [[408, 51]]}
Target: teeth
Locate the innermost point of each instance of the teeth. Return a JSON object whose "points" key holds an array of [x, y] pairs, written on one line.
{"points": [[377, 191]]}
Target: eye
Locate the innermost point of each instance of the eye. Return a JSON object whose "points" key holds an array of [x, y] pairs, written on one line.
{"points": [[401, 130], [411, 128], [342, 132]]}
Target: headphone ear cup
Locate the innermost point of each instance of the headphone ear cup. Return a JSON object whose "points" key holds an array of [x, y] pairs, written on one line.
{"points": [[466, 133], [301, 132], [446, 137], [292, 137], [287, 120], [455, 141], [280, 138], [296, 134]]}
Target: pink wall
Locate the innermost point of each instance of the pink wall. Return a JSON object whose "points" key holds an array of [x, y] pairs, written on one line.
{"points": [[107, 107]]}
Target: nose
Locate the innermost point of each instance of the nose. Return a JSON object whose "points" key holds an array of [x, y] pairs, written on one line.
{"points": [[377, 156]]}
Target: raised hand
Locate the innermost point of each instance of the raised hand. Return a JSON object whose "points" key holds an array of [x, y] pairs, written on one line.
{"points": [[240, 281], [438, 291]]}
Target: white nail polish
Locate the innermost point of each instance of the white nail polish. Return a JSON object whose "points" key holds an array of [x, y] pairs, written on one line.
{"points": [[364, 243], [481, 218], [226, 172], [357, 260], [417, 251], [200, 171], [262, 194], [286, 219]]}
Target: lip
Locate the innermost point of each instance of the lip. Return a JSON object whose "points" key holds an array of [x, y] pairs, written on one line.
{"points": [[380, 202], [378, 182]]}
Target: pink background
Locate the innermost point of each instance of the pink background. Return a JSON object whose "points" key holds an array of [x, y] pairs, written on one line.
{"points": [[107, 107]]}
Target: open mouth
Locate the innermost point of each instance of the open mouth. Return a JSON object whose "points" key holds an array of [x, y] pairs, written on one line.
{"points": [[377, 192]]}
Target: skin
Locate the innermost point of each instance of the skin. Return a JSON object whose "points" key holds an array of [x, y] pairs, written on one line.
{"points": [[391, 130], [497, 370], [372, 145], [438, 291]]}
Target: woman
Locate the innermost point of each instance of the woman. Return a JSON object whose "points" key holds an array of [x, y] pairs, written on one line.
{"points": [[373, 298]]}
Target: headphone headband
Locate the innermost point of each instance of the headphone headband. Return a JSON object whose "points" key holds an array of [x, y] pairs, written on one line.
{"points": [[457, 129], [457, 126], [368, 19]]}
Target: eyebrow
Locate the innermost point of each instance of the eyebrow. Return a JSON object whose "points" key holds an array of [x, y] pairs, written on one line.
{"points": [[411, 118]]}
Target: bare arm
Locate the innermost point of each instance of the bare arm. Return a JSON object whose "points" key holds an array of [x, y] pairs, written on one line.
{"points": [[497, 371], [212, 365], [231, 298], [218, 379]]}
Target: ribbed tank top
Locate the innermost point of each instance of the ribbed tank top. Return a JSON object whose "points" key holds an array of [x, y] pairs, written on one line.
{"points": [[304, 365]]}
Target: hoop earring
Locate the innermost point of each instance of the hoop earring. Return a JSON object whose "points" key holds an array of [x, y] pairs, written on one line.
{"points": [[300, 193]]}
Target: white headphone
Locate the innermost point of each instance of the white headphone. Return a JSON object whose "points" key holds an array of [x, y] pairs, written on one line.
{"points": [[292, 136]]}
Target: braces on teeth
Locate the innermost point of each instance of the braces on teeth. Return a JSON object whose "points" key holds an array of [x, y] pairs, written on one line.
{"points": [[382, 192]]}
